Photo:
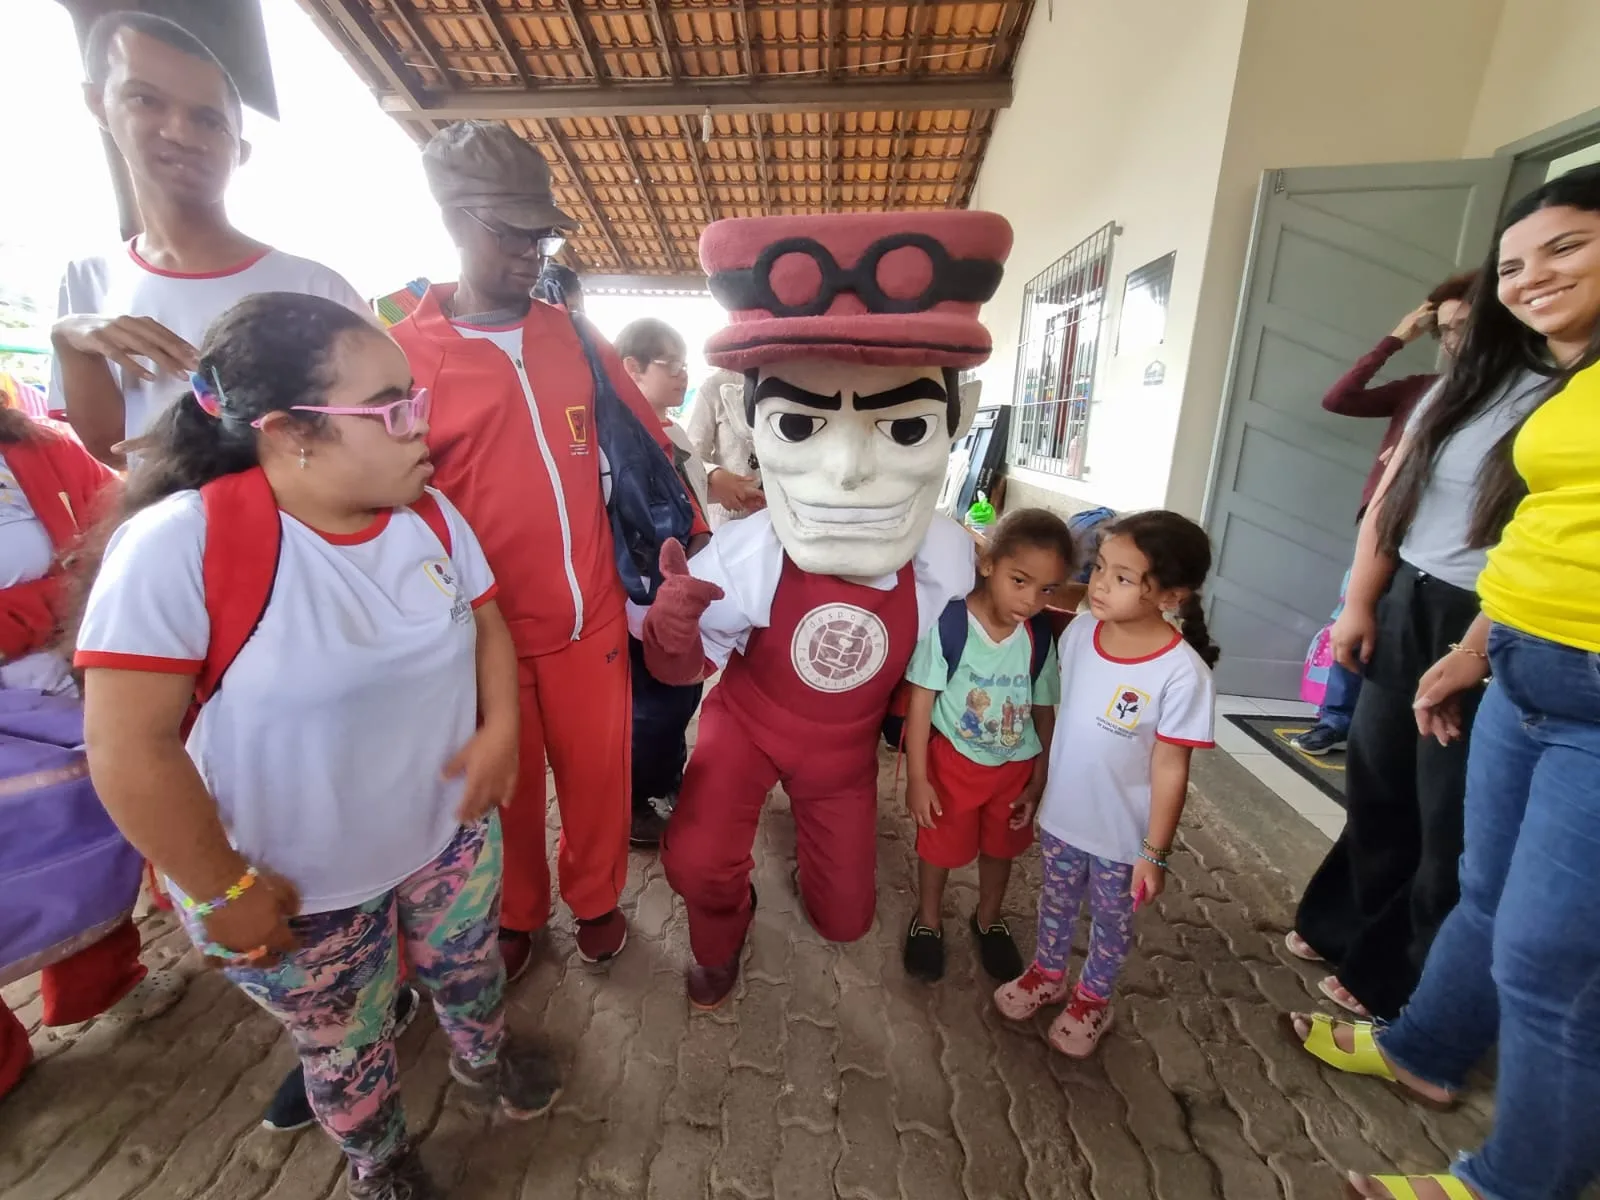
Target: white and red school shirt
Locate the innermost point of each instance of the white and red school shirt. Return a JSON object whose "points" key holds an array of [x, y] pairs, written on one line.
{"points": [[1112, 713], [325, 743], [123, 284]]}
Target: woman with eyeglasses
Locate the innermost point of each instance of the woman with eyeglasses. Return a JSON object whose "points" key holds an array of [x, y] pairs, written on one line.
{"points": [[334, 808]]}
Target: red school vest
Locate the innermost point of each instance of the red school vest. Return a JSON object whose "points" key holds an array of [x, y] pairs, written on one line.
{"points": [[831, 654]]}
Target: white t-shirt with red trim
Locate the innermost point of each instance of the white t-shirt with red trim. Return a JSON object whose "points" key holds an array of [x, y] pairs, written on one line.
{"points": [[123, 284], [1112, 713], [325, 743]]}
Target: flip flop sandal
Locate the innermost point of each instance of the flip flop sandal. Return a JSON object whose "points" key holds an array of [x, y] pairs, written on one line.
{"points": [[1300, 948], [1331, 987], [1365, 1059], [1400, 1187]]}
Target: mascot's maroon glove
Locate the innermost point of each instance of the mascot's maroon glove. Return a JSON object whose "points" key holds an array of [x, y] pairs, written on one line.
{"points": [[673, 650]]}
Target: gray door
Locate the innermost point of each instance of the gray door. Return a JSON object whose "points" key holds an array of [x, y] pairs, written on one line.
{"points": [[1338, 255]]}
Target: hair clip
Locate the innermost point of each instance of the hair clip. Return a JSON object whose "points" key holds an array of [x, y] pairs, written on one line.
{"points": [[206, 394]]}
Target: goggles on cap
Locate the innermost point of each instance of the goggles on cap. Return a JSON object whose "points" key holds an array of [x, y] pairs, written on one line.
{"points": [[514, 243], [966, 280]]}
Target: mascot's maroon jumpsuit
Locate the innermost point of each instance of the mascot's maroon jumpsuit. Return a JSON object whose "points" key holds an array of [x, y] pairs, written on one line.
{"points": [[768, 721]]}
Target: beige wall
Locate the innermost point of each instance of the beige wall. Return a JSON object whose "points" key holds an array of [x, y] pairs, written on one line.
{"points": [[1322, 84], [1542, 71], [1120, 112]]}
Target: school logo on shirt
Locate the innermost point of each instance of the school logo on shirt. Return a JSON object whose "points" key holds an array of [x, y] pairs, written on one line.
{"points": [[1126, 707], [578, 427], [837, 647], [441, 572]]}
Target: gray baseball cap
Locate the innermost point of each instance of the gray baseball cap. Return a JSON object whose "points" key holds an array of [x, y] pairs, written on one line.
{"points": [[485, 165]]}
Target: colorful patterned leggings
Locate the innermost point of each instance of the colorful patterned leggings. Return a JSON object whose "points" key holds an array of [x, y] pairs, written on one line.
{"points": [[336, 993], [1068, 873]]}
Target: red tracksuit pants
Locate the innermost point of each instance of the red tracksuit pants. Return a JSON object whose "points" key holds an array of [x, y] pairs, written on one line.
{"points": [[831, 776], [578, 714]]}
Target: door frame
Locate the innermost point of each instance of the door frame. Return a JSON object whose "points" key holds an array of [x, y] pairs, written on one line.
{"points": [[1531, 156]]}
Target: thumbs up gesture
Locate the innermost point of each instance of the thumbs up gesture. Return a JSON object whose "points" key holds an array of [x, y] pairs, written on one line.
{"points": [[673, 649]]}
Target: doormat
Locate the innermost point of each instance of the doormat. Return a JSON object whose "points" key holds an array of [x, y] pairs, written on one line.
{"points": [[1275, 734]]}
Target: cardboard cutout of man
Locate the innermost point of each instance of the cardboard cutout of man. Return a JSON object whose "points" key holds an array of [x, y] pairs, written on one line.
{"points": [[850, 331]]}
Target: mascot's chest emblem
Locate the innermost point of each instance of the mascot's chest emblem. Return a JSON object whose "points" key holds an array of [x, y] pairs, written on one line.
{"points": [[837, 647]]}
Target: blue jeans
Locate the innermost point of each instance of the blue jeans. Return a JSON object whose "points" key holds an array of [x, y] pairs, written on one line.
{"points": [[1339, 701], [1518, 960]]}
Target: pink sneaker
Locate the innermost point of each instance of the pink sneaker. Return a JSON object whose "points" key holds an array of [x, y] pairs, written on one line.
{"points": [[1028, 993], [1081, 1025]]}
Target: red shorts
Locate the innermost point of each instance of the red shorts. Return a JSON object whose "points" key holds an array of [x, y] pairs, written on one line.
{"points": [[976, 800]]}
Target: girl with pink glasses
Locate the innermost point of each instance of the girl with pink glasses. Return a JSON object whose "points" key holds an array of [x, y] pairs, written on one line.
{"points": [[320, 792]]}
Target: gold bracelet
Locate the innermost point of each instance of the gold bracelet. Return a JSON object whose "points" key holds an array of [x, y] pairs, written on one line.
{"points": [[1458, 648]]}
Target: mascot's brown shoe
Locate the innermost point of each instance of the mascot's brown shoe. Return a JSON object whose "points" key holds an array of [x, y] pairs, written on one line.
{"points": [[710, 987]]}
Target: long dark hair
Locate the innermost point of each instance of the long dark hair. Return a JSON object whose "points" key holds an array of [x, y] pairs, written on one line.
{"points": [[1495, 346], [266, 354], [1179, 553]]}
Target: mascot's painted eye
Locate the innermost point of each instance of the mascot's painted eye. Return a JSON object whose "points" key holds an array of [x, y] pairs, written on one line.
{"points": [[796, 427], [907, 431]]}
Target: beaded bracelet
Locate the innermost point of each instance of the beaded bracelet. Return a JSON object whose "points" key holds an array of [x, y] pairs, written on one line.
{"points": [[204, 908], [1158, 851], [1458, 648], [1150, 858]]}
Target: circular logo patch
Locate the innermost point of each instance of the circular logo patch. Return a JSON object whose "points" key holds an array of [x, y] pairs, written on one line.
{"points": [[838, 647]]}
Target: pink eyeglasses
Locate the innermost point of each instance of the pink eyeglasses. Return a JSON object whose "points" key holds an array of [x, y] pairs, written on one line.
{"points": [[400, 417]]}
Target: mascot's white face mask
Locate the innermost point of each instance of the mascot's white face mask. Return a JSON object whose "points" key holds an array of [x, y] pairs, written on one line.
{"points": [[852, 461]]}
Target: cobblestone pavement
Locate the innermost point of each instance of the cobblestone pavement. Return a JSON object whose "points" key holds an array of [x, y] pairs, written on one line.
{"points": [[831, 1075]]}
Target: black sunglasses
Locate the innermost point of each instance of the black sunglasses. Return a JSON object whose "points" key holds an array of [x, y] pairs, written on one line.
{"points": [[514, 243]]}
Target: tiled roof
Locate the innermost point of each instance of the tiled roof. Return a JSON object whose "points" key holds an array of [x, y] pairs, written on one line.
{"points": [[659, 117]]}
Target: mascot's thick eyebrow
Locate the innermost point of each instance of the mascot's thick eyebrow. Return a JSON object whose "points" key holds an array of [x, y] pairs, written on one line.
{"points": [[772, 386], [917, 389]]}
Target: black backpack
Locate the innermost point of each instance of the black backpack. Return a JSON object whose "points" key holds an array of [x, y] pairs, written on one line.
{"points": [[648, 503]]}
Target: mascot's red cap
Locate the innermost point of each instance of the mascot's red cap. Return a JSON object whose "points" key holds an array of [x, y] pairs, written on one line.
{"points": [[883, 289]]}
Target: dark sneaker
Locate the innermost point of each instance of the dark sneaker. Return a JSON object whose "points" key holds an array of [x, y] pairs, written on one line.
{"points": [[924, 953], [710, 987], [998, 952], [649, 822], [602, 938], [524, 1082], [516, 948], [401, 1179], [1320, 740], [290, 1111]]}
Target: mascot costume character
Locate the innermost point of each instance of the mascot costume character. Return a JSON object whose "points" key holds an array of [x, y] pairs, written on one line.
{"points": [[850, 330]]}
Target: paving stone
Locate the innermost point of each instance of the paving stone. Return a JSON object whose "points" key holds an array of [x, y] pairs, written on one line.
{"points": [[806, 1165], [863, 1017], [681, 1169], [744, 1163], [810, 1095], [759, 1013], [814, 992], [621, 1162], [654, 909], [930, 1167], [702, 1074], [1097, 1117], [869, 1160]]}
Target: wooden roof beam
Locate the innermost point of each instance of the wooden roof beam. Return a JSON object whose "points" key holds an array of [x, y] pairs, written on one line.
{"points": [[355, 20], [746, 51], [658, 25], [898, 185], [836, 37], [639, 178], [585, 36], [691, 99], [758, 127], [966, 171], [707, 197], [916, 34], [581, 182], [412, 20], [494, 17]]}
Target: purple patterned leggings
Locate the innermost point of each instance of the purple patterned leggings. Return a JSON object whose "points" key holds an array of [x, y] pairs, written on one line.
{"points": [[1068, 873]]}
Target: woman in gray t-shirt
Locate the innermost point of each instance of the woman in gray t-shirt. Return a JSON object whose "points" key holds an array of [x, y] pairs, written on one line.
{"points": [[1372, 909]]}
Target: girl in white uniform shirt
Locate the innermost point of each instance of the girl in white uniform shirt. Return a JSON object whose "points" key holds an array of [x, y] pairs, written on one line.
{"points": [[1136, 701], [335, 809]]}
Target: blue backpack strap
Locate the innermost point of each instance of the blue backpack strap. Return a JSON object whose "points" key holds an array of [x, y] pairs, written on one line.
{"points": [[1040, 632], [953, 634]]}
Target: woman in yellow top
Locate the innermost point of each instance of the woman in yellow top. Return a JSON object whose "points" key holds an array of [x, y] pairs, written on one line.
{"points": [[1518, 961]]}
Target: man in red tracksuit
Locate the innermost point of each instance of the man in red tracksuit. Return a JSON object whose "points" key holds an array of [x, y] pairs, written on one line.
{"points": [[513, 442], [850, 329]]}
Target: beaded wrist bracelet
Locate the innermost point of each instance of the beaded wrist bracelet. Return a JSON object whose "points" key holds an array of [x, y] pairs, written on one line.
{"points": [[1154, 854], [204, 908], [1151, 858]]}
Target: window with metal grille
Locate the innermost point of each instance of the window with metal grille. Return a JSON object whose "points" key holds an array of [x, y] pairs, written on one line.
{"points": [[1063, 311]]}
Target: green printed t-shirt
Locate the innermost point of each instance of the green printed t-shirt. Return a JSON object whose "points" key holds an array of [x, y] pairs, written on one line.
{"points": [[986, 708]]}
